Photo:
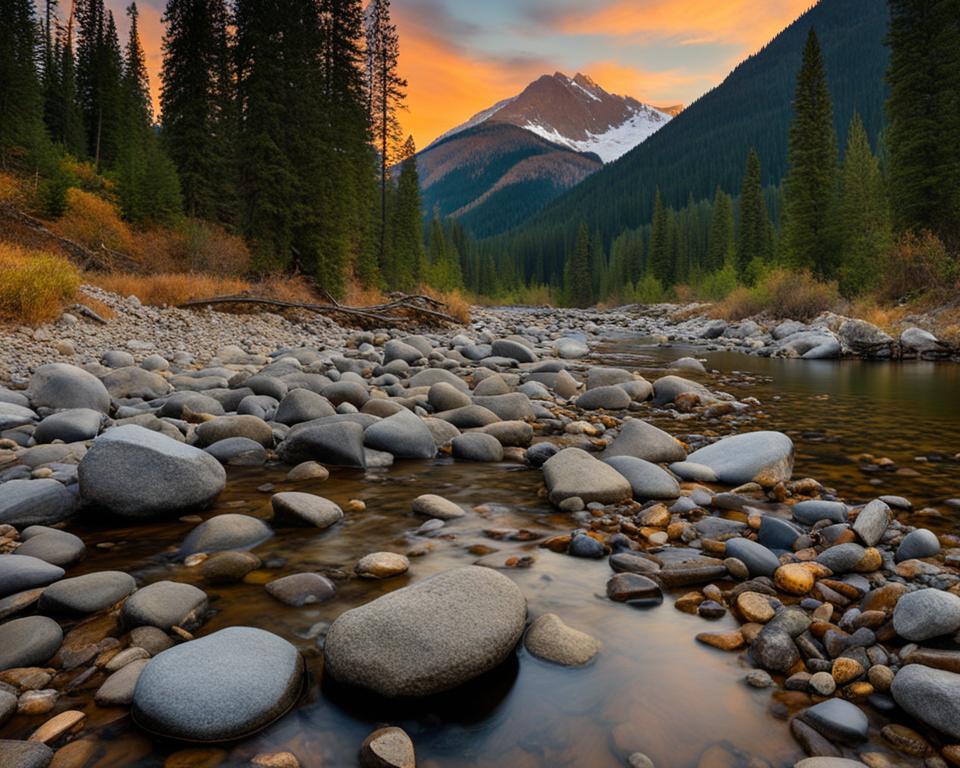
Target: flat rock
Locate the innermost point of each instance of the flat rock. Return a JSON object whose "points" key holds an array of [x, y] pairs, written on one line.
{"points": [[648, 480], [71, 426], [227, 531], [644, 441], [429, 637], [86, 594], [29, 642], [166, 604], [133, 472], [575, 473], [550, 639], [24, 754], [117, 690], [872, 522], [295, 508], [747, 457], [21, 572], [35, 502], [221, 687], [838, 720], [814, 510]]}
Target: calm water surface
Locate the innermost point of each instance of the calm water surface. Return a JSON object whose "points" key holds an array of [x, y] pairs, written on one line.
{"points": [[651, 688]]}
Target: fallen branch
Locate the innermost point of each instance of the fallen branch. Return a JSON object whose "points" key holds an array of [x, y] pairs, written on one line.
{"points": [[399, 311]]}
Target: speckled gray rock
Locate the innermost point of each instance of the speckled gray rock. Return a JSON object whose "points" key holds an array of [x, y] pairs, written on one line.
{"points": [[300, 405], [29, 642], [89, 593], [166, 604], [574, 472], [35, 502], [916, 544], [221, 687], [52, 546], [117, 690], [644, 441], [742, 458], [71, 426], [926, 613], [295, 508], [403, 434], [299, 589], [428, 637], [930, 695], [136, 473], [24, 754], [815, 510], [872, 522], [227, 531], [611, 398], [842, 557], [647, 480], [60, 385], [22, 572], [336, 443]]}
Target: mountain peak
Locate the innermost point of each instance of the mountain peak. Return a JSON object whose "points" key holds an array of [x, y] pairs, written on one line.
{"points": [[576, 113]]}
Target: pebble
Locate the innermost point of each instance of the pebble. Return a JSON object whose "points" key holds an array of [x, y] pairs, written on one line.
{"points": [[381, 565]]}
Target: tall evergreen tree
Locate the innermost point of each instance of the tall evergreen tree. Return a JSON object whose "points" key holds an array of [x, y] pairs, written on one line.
{"points": [[198, 106], [810, 187], [99, 73], [923, 114], [659, 260], [385, 93], [864, 214], [406, 263], [21, 105], [754, 234], [578, 282], [720, 246]]}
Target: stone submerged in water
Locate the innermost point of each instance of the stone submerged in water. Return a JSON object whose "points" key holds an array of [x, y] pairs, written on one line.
{"points": [[431, 505], [753, 456], [575, 473], [296, 508], [227, 531], [381, 565], [221, 687], [134, 472], [24, 754], [299, 589], [550, 639], [388, 748], [428, 637]]}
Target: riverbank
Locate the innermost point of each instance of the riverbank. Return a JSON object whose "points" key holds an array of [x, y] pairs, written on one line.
{"points": [[258, 472]]}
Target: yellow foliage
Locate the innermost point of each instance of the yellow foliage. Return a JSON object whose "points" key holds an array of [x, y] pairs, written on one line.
{"points": [[11, 190], [167, 289], [34, 285], [192, 246], [781, 293], [94, 222], [456, 304]]}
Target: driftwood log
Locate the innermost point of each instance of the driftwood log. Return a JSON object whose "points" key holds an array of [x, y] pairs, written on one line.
{"points": [[402, 309]]}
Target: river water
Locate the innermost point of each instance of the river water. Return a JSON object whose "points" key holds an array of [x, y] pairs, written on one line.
{"points": [[652, 687]]}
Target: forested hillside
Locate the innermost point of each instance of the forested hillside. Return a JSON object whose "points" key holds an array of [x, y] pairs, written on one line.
{"points": [[706, 145]]}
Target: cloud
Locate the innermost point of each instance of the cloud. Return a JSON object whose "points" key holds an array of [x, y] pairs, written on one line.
{"points": [[659, 87]]}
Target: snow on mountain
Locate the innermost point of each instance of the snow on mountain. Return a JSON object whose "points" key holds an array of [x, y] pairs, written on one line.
{"points": [[575, 113]]}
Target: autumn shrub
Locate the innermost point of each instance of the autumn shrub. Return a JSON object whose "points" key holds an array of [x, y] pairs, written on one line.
{"points": [[34, 285], [168, 289], [192, 246], [94, 222], [920, 264], [781, 293]]}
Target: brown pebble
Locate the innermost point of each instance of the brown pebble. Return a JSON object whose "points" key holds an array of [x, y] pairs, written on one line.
{"points": [[725, 641], [56, 726], [276, 760], [905, 740], [200, 757]]}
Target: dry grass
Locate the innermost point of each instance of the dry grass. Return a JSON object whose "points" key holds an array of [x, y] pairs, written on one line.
{"points": [[457, 304], [94, 222], [34, 285], [192, 246], [920, 266], [781, 293], [167, 289]]}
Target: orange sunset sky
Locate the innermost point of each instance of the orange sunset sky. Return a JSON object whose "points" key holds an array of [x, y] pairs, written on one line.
{"points": [[460, 56]]}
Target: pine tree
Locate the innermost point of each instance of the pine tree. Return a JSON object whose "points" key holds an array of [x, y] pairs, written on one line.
{"points": [[720, 244], [659, 259], [810, 188], [754, 244], [198, 106], [864, 214], [385, 93], [578, 282], [406, 262], [923, 114]]}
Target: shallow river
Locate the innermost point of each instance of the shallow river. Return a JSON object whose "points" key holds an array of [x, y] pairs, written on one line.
{"points": [[652, 687]]}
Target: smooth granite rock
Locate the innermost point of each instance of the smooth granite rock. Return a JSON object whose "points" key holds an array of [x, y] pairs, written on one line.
{"points": [[59, 386], [644, 441], [335, 443], [295, 508], [29, 642], [22, 572], [759, 560], [71, 426], [24, 754], [403, 434], [43, 501], [431, 505], [838, 720], [917, 544], [647, 480], [926, 613], [750, 456], [575, 473], [930, 695], [86, 594], [165, 604], [227, 531], [872, 522]]}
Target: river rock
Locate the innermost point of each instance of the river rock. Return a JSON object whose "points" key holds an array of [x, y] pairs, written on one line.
{"points": [[666, 389], [337, 443], [747, 457], [550, 639], [514, 406], [165, 604], [633, 588], [872, 522], [134, 382], [228, 566], [571, 349], [223, 427], [22, 572], [647, 480], [387, 748], [919, 340], [930, 695], [24, 754], [86, 594], [926, 613], [428, 637], [15, 415], [815, 510], [575, 473], [382, 565], [514, 350], [644, 441], [776, 533], [300, 405], [136, 473], [70, 426], [117, 690], [838, 720], [221, 687], [444, 396], [59, 386], [404, 435], [295, 508], [35, 502], [299, 589], [29, 642], [611, 398], [238, 452], [196, 402], [841, 558], [52, 546], [759, 560], [227, 531], [774, 650], [477, 446], [431, 505], [917, 544]]}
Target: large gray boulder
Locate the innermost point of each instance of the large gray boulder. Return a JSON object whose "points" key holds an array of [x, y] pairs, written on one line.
{"points": [[222, 687], [59, 385], [337, 443], [666, 389], [28, 642], [930, 695], [644, 441], [859, 337], [404, 435], [136, 473], [648, 480], [72, 426], [817, 344], [302, 405], [751, 456], [135, 382], [575, 473], [919, 340], [428, 637], [35, 502]]}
